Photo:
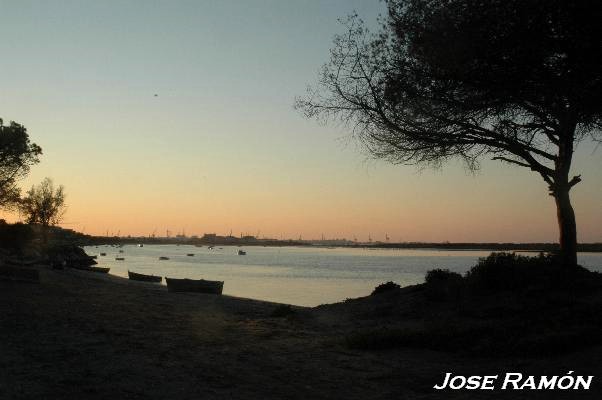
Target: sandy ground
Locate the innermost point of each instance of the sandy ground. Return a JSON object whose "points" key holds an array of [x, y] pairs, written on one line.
{"points": [[82, 335]]}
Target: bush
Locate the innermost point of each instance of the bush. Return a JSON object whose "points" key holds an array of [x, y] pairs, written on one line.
{"points": [[15, 236], [385, 287], [509, 271], [282, 311], [442, 284]]}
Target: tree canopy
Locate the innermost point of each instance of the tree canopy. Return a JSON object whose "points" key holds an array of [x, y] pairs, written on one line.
{"points": [[44, 204], [515, 80], [17, 155]]}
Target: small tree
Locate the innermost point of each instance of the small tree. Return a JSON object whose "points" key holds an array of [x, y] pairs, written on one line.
{"points": [[17, 155], [519, 81], [44, 204]]}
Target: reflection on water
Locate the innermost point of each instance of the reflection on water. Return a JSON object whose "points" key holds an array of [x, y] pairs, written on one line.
{"points": [[295, 275]]}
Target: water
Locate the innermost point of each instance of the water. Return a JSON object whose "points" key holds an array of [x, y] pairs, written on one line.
{"points": [[295, 275]]}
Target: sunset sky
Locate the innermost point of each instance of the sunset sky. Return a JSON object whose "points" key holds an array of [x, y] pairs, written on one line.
{"points": [[221, 147]]}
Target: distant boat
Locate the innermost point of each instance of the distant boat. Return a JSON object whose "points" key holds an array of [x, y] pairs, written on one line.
{"points": [[190, 254], [121, 251], [242, 253], [193, 285], [103, 254], [210, 248], [163, 258], [142, 277], [119, 258], [141, 245]]}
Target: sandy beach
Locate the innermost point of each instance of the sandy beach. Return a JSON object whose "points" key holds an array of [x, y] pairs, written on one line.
{"points": [[79, 334]]}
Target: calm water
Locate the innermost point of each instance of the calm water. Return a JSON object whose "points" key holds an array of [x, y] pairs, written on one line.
{"points": [[295, 275]]}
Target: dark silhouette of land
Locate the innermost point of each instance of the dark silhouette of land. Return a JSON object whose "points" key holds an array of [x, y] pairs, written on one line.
{"points": [[209, 240]]}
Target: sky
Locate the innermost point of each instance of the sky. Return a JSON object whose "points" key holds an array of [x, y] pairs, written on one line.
{"points": [[221, 148]]}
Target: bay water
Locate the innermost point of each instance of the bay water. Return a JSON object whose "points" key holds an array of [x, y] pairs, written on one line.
{"points": [[306, 276]]}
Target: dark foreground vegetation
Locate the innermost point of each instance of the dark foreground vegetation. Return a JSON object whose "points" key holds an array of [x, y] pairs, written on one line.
{"points": [[505, 305]]}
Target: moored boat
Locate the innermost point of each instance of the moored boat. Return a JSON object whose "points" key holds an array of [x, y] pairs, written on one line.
{"points": [[103, 254], [163, 258], [119, 258], [242, 253], [102, 270], [142, 277], [190, 254], [19, 274], [194, 285]]}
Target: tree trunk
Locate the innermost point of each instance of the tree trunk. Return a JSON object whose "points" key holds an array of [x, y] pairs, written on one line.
{"points": [[567, 227]]}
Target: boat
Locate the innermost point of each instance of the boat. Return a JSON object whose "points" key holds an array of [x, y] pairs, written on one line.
{"points": [[163, 258], [102, 270], [190, 254], [103, 254], [18, 274], [121, 251], [141, 245], [194, 285], [142, 277], [242, 253], [119, 258], [210, 248]]}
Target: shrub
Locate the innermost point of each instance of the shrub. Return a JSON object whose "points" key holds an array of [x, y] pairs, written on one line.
{"points": [[282, 311], [442, 284], [385, 287], [15, 236], [509, 271]]}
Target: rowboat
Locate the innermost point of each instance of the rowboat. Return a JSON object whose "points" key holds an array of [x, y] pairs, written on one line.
{"points": [[17, 274], [190, 254], [119, 258], [194, 285], [102, 270], [163, 258], [242, 253], [142, 277]]}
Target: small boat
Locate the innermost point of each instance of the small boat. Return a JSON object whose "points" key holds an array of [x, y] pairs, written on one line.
{"points": [[121, 251], [163, 258], [119, 258], [210, 248], [103, 254], [18, 274], [142, 277], [190, 254], [194, 285], [242, 253], [141, 245], [102, 270]]}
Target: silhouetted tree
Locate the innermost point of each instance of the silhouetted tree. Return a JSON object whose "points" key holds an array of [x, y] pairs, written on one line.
{"points": [[17, 154], [519, 81], [44, 204]]}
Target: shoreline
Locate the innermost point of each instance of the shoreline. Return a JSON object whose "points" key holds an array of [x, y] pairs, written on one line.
{"points": [[77, 333]]}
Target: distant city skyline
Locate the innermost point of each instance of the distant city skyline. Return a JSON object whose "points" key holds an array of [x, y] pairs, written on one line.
{"points": [[220, 146]]}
